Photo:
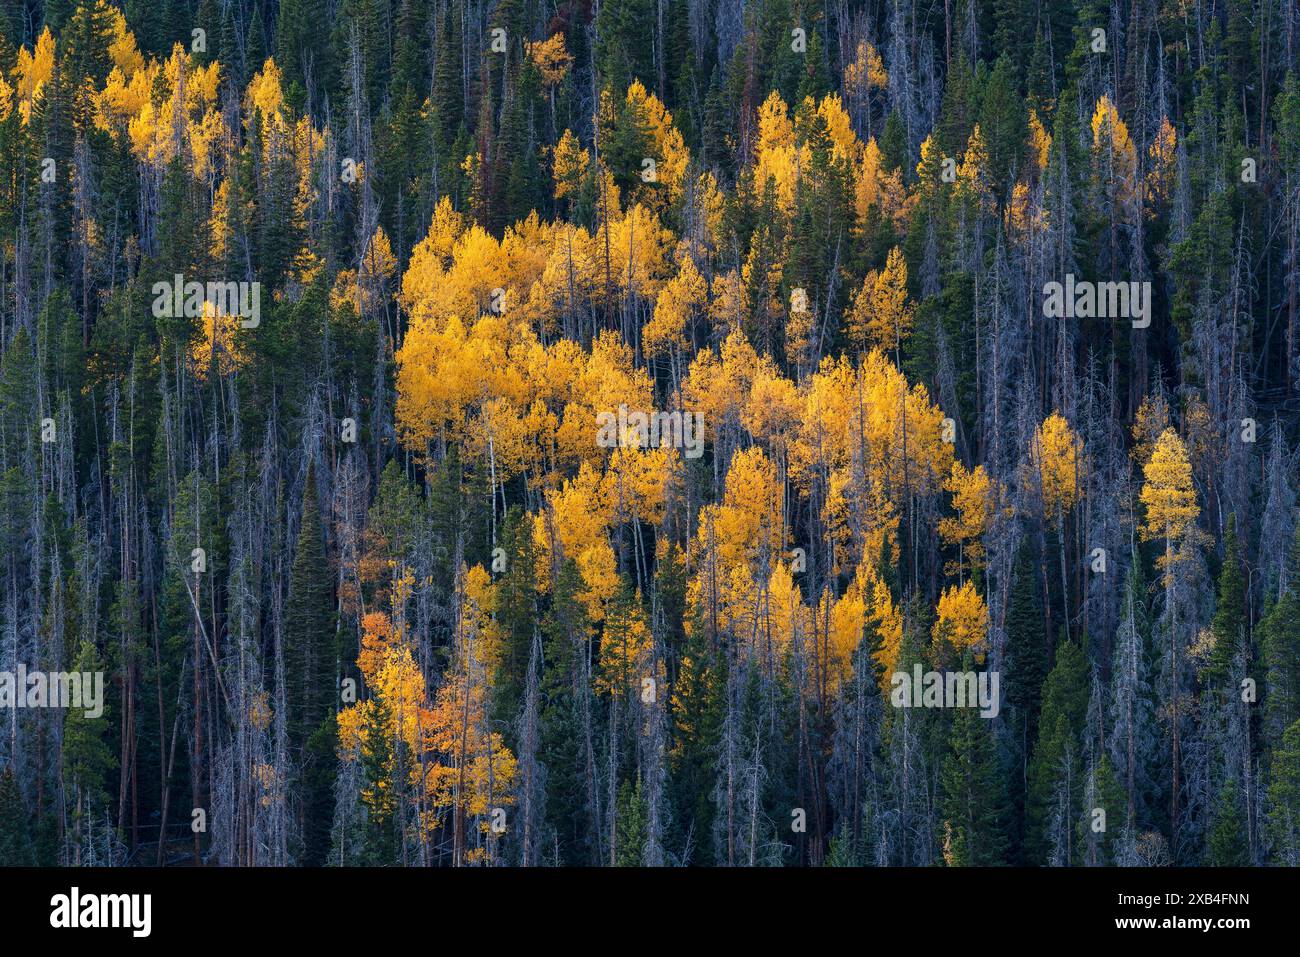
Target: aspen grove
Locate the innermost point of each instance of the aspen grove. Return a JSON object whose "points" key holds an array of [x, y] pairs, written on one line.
{"points": [[650, 432]]}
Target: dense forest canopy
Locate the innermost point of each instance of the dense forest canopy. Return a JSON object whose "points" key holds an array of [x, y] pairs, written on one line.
{"points": [[533, 432]]}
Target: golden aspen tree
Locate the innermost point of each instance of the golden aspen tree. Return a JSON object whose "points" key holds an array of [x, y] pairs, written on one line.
{"points": [[681, 298], [575, 525], [973, 501], [1169, 501], [123, 50], [1162, 159], [788, 621], [1167, 495], [32, 71], [846, 619], [717, 386], [773, 408], [726, 303], [472, 769], [460, 766], [846, 148], [569, 162], [929, 167], [974, 181], [881, 315], [1058, 455], [776, 157], [378, 264], [636, 482], [217, 351], [551, 57], [887, 618], [265, 94], [962, 619], [668, 150], [737, 542], [1114, 157], [878, 189], [635, 250], [864, 73], [1039, 147]]}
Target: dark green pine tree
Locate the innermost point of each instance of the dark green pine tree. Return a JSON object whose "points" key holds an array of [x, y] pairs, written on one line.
{"points": [[319, 771], [1025, 668], [670, 590], [973, 801], [815, 79], [623, 47], [208, 19], [564, 631], [381, 836], [1226, 845], [519, 167], [1104, 811], [625, 141], [255, 48], [894, 151], [957, 114], [228, 47], [15, 844], [278, 232], [410, 50], [699, 707], [364, 20], [630, 825], [1229, 624], [686, 85], [83, 56], [1284, 798], [1040, 84], [311, 671], [392, 521], [57, 13], [301, 44], [182, 221], [309, 633], [516, 611], [718, 124], [1004, 125], [1054, 770], [1279, 631], [86, 756], [8, 49], [1009, 34], [448, 89]]}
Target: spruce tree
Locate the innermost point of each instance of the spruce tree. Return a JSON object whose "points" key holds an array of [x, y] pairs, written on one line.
{"points": [[15, 842], [1226, 845], [309, 626], [1280, 649], [1103, 815], [1284, 798], [973, 794], [1229, 624], [630, 825], [565, 639], [311, 675], [1026, 665], [517, 608], [1054, 771]]}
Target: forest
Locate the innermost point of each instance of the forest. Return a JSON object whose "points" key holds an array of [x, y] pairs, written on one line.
{"points": [[650, 433]]}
